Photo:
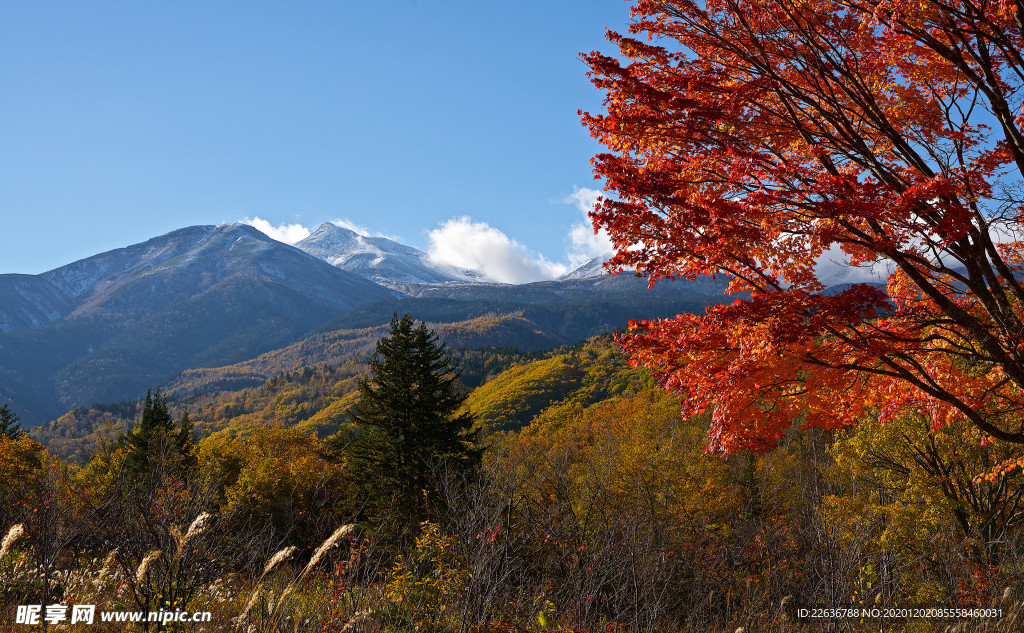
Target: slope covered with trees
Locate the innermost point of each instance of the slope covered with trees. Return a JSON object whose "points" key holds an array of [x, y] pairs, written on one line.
{"points": [[335, 347], [600, 508], [579, 375]]}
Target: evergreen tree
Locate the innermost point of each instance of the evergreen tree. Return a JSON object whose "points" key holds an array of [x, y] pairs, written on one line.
{"points": [[157, 444], [9, 426], [185, 442], [408, 417]]}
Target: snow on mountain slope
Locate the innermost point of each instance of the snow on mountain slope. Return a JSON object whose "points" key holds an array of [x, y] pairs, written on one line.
{"points": [[110, 326], [29, 302], [378, 258], [592, 268]]}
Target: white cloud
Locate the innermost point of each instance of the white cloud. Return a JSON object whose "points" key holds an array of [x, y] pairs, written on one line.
{"points": [[585, 244], [584, 198], [287, 233], [463, 243], [351, 226], [833, 267], [345, 223]]}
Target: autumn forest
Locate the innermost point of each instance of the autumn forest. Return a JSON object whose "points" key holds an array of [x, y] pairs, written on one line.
{"points": [[803, 456]]}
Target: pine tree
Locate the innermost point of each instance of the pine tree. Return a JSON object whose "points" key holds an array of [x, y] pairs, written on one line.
{"points": [[185, 442], [9, 426], [158, 445], [408, 418]]}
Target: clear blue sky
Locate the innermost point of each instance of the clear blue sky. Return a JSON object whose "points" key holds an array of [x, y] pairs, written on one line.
{"points": [[120, 121]]}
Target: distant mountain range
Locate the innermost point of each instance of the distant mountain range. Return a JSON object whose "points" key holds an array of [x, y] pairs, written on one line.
{"points": [[108, 327]]}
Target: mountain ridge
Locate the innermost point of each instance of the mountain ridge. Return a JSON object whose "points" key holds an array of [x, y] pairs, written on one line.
{"points": [[132, 317], [110, 326], [379, 259]]}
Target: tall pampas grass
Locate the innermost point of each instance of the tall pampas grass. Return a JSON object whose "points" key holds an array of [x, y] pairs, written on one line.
{"points": [[326, 546], [13, 534], [197, 527], [274, 606], [108, 565], [280, 601], [277, 559], [140, 573], [281, 556], [248, 605]]}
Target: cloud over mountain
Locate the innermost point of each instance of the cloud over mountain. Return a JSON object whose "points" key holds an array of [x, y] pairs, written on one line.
{"points": [[463, 243], [585, 243], [287, 233], [466, 244]]}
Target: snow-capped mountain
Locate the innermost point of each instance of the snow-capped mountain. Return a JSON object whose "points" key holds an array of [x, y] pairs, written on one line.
{"points": [[379, 259], [105, 327], [592, 268], [185, 263]]}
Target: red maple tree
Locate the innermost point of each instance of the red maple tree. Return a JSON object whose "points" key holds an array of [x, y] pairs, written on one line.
{"points": [[753, 138]]}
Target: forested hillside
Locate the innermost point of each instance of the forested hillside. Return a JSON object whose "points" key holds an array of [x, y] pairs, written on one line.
{"points": [[338, 346], [311, 384], [596, 502], [577, 376]]}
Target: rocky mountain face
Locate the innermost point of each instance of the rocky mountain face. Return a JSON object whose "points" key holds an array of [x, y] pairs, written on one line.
{"points": [[30, 301]]}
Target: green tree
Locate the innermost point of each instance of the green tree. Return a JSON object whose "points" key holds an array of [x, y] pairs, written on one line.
{"points": [[158, 445], [410, 430], [9, 426]]}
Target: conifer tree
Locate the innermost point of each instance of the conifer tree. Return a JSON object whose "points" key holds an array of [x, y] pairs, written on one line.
{"points": [[158, 445], [408, 419], [9, 426]]}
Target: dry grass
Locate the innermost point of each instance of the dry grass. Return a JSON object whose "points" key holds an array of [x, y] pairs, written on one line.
{"points": [[13, 534]]}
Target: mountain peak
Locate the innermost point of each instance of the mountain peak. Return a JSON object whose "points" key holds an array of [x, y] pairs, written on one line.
{"points": [[330, 228], [592, 268], [379, 259]]}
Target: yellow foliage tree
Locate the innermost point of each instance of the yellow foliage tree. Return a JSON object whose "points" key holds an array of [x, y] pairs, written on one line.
{"points": [[21, 469], [915, 490], [285, 478]]}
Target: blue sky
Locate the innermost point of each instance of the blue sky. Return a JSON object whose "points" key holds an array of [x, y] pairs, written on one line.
{"points": [[430, 122]]}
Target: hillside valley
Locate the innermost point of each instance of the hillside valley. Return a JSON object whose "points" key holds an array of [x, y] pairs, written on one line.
{"points": [[211, 307], [506, 389]]}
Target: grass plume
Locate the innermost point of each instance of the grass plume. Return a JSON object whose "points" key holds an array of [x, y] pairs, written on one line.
{"points": [[197, 527], [108, 564], [326, 546], [13, 534], [277, 559], [143, 569]]}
